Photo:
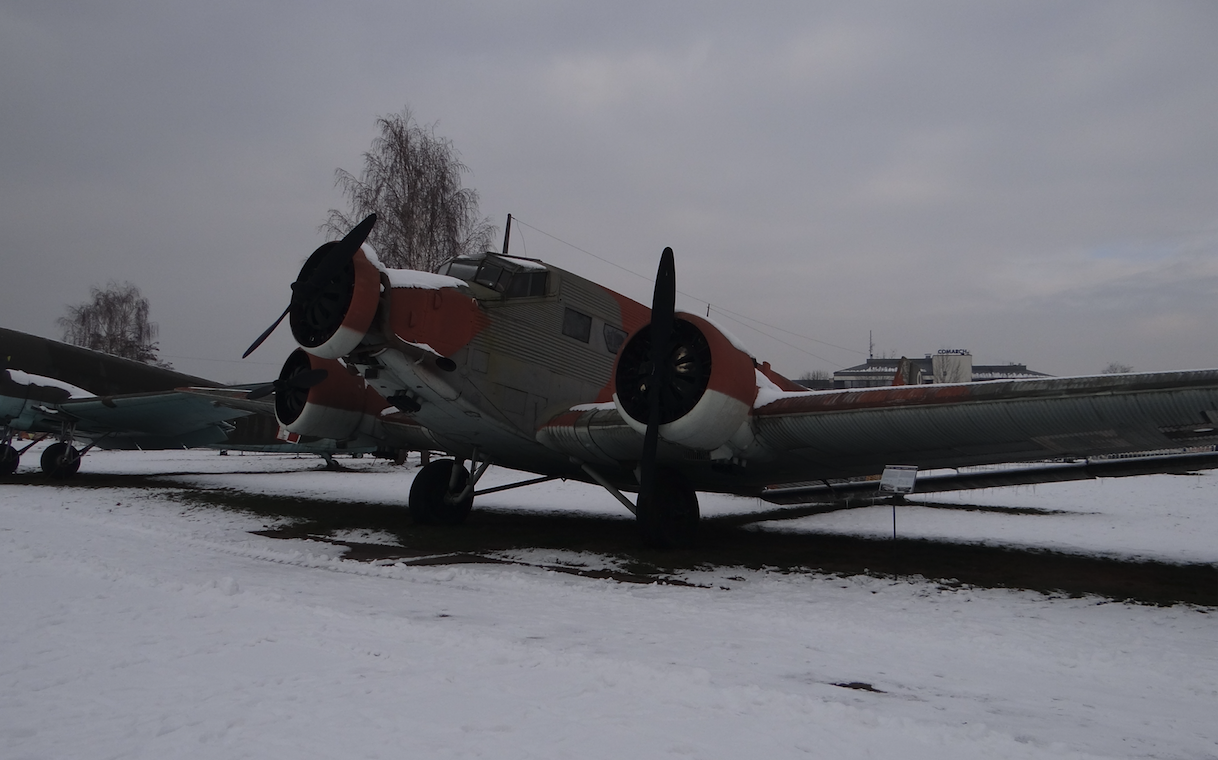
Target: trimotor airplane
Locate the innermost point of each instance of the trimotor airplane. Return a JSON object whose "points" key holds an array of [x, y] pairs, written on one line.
{"points": [[507, 360], [74, 394]]}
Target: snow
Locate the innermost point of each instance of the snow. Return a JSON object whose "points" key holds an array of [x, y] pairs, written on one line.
{"points": [[531, 265], [410, 278], [138, 624], [1170, 518], [768, 392], [27, 378], [424, 347], [602, 406]]}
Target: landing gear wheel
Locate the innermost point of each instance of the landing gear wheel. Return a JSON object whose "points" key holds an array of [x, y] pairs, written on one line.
{"points": [[431, 502], [9, 458], [669, 520], [60, 461]]}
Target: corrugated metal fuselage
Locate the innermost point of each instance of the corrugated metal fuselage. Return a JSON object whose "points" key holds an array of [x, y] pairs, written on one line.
{"points": [[535, 358]]}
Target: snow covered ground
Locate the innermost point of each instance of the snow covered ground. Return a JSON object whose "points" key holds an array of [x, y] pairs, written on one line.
{"points": [[138, 624]]}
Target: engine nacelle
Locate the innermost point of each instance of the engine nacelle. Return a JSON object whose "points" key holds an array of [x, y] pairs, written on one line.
{"points": [[429, 310], [330, 320], [339, 407], [711, 389]]}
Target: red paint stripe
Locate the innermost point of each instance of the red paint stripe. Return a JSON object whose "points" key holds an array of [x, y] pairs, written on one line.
{"points": [[869, 398]]}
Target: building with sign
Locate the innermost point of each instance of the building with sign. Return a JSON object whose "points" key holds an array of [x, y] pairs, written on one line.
{"points": [[946, 366]]}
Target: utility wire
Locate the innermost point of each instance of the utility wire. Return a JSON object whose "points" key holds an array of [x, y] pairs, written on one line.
{"points": [[593, 255], [771, 337], [734, 316], [788, 332]]}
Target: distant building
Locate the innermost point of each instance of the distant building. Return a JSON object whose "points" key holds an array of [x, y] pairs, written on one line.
{"points": [[946, 366]]}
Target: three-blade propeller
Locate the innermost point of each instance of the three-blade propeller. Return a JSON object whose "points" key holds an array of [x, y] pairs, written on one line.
{"points": [[663, 308], [300, 380], [309, 285]]}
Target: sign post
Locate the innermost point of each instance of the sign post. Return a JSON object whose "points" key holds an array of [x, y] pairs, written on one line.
{"points": [[898, 480]]}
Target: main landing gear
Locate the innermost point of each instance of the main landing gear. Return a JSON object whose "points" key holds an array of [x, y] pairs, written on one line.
{"points": [[9, 456], [60, 460], [668, 517], [443, 491], [443, 494], [439, 495], [9, 459]]}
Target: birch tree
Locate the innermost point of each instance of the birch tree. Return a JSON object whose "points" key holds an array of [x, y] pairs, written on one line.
{"points": [[412, 180], [114, 321]]}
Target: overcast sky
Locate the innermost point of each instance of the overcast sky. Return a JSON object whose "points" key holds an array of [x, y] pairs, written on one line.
{"points": [[1034, 181]]}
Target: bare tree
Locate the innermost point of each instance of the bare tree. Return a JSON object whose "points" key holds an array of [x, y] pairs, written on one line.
{"points": [[412, 181], [115, 322], [1116, 368]]}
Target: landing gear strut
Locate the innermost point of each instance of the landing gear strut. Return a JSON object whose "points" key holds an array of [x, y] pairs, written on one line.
{"points": [[9, 458], [668, 519], [439, 495]]}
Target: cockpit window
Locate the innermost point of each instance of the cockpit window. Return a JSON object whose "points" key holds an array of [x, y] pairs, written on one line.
{"points": [[493, 275], [513, 279], [462, 269]]}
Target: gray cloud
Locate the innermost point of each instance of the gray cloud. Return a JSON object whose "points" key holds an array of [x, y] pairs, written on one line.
{"points": [[1035, 181]]}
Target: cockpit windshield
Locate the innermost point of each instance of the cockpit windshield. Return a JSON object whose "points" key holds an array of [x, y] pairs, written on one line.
{"points": [[463, 269], [515, 279]]}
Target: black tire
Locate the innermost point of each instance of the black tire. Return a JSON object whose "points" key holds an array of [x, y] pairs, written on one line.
{"points": [[60, 461], [430, 501], [9, 459], [669, 520]]}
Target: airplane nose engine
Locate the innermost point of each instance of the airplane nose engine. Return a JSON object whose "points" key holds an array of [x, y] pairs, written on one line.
{"points": [[337, 407], [330, 315], [711, 389]]}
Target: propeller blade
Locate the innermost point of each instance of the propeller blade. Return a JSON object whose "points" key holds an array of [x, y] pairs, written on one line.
{"points": [[260, 391], [339, 256], [303, 380], [663, 308], [306, 379], [325, 271], [266, 333]]}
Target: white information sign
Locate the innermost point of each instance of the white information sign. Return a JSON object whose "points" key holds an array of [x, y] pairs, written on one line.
{"points": [[898, 478]]}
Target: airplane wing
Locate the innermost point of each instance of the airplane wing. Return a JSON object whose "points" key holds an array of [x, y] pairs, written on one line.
{"points": [[934, 426], [234, 398], [172, 417], [792, 437], [1046, 472], [41, 404], [78, 394], [386, 428]]}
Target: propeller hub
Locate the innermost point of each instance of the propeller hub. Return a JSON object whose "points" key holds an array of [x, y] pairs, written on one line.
{"points": [[687, 359]]}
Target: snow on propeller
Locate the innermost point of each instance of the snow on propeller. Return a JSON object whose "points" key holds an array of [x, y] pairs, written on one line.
{"points": [[511, 361]]}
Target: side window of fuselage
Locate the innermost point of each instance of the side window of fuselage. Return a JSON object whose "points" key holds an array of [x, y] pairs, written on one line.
{"points": [[613, 338], [576, 325], [527, 283]]}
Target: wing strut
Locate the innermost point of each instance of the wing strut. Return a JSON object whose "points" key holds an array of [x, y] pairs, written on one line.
{"points": [[607, 486]]}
